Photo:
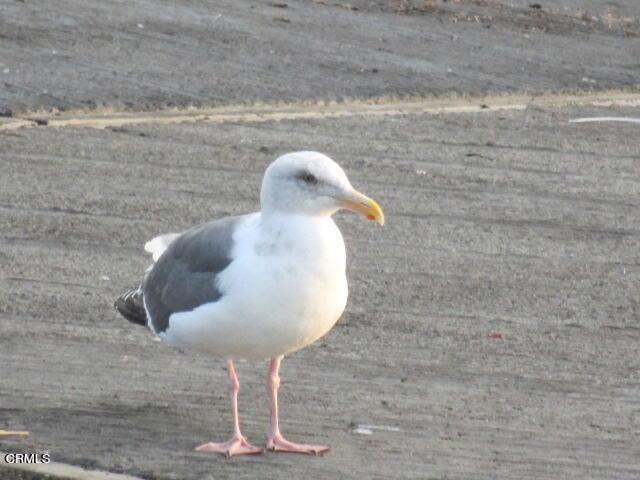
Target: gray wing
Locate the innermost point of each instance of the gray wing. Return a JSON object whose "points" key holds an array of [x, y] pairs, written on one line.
{"points": [[184, 277]]}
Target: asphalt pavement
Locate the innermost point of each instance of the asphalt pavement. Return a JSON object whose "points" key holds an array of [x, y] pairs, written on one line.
{"points": [[142, 54]]}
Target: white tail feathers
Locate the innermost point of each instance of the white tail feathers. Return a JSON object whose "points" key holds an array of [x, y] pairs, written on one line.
{"points": [[159, 244]]}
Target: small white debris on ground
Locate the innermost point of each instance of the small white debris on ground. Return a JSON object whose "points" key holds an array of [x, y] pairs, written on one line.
{"points": [[381, 427], [605, 119], [362, 429]]}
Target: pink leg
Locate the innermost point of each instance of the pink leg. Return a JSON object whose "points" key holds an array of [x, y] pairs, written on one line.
{"points": [[238, 445], [275, 441]]}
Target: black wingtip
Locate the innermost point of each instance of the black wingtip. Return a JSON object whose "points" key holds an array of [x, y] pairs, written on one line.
{"points": [[131, 306]]}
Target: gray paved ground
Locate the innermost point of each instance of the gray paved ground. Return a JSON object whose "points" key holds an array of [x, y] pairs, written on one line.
{"points": [[149, 54], [494, 321]]}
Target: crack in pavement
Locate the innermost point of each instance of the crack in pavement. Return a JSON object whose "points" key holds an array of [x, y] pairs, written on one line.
{"points": [[107, 118]]}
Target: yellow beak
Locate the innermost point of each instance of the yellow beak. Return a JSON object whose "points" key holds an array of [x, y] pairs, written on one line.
{"points": [[367, 207]]}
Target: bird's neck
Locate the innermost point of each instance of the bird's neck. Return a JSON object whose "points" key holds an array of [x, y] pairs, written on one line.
{"points": [[300, 236], [291, 222]]}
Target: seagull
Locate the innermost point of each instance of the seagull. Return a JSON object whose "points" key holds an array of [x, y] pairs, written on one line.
{"points": [[255, 286]]}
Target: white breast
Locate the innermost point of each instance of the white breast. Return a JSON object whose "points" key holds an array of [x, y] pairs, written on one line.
{"points": [[286, 288]]}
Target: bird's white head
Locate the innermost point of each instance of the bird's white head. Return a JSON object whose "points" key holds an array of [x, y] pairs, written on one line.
{"points": [[310, 183]]}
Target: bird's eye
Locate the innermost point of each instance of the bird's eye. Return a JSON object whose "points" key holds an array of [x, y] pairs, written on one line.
{"points": [[309, 178]]}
